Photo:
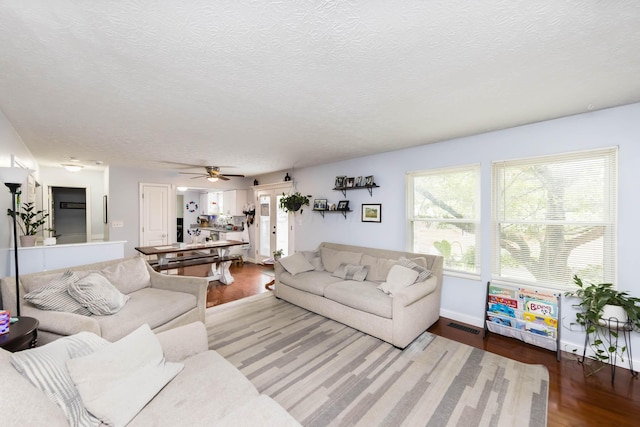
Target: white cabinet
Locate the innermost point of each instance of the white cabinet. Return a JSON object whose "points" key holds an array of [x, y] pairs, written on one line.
{"points": [[234, 201], [209, 203]]}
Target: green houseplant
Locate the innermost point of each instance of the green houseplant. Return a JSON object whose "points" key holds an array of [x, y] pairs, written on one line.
{"points": [[30, 220], [595, 300], [293, 202], [277, 254]]}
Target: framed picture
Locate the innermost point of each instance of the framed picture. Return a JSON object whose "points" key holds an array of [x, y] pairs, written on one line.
{"points": [[368, 181], [372, 212], [343, 205], [350, 182], [320, 205], [340, 181], [359, 181]]}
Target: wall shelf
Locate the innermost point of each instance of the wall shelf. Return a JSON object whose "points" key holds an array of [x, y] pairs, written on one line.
{"points": [[342, 211], [362, 187]]}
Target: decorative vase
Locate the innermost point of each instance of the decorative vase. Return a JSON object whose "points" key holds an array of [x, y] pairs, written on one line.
{"points": [[613, 317], [28, 241]]}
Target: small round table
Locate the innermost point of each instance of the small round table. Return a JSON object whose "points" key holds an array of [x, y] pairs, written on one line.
{"points": [[22, 334]]}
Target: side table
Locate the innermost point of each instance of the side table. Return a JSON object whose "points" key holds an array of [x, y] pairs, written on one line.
{"points": [[22, 335]]}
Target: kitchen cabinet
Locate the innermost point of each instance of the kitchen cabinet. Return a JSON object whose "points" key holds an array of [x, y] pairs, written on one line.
{"points": [[234, 201], [209, 203]]}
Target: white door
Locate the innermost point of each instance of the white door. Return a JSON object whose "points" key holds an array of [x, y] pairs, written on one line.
{"points": [[154, 212], [274, 226]]}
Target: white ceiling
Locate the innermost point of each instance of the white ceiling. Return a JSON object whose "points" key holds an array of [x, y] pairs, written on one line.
{"points": [[269, 85]]}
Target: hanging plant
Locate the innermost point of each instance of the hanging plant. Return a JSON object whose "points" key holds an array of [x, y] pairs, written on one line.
{"points": [[293, 202]]}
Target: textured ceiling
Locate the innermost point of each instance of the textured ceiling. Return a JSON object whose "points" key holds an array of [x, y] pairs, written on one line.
{"points": [[268, 85]]}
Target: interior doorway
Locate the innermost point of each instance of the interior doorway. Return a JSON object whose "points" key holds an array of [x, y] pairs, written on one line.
{"points": [[69, 214]]}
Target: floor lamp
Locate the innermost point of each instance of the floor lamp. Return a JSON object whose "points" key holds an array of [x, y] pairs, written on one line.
{"points": [[13, 178]]}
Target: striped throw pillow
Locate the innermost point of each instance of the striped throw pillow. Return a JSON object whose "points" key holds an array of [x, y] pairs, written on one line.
{"points": [[46, 368], [97, 294], [423, 273], [54, 296]]}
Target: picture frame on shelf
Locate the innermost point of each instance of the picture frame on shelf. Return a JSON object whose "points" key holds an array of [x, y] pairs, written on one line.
{"points": [[359, 181], [340, 181], [368, 181], [350, 182], [371, 212], [320, 204], [343, 205]]}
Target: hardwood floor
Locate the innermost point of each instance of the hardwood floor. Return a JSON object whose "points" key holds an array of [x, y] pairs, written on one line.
{"points": [[575, 399]]}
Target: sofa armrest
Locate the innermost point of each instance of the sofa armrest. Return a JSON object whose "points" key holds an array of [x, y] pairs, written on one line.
{"points": [[184, 341], [415, 292], [60, 322]]}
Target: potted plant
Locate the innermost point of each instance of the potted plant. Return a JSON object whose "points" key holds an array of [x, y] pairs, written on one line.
{"points": [[293, 202], [30, 222], [277, 254], [603, 310]]}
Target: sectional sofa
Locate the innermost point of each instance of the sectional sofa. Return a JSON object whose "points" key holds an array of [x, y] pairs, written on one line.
{"points": [[392, 295]]}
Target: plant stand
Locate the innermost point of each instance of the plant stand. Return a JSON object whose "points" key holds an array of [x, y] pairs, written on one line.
{"points": [[614, 324]]}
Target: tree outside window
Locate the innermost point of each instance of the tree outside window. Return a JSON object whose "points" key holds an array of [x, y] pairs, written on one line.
{"points": [[555, 217], [444, 215]]}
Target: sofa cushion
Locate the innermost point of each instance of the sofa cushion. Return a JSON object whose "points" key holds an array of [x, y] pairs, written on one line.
{"points": [[363, 296], [128, 276], [97, 294], [351, 272], [311, 281], [261, 411], [331, 258], [399, 277], [187, 400], [54, 295], [118, 380], [148, 305], [378, 267], [296, 263], [314, 259], [19, 398], [45, 367]]}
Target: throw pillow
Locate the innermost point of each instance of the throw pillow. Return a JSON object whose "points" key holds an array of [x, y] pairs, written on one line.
{"points": [[129, 275], [351, 272], [45, 367], [97, 294], [314, 259], [399, 277], [423, 273], [296, 263], [331, 258], [117, 381], [378, 267], [54, 296]]}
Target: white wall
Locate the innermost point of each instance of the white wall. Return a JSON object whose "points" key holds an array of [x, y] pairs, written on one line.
{"points": [[92, 180], [463, 299], [10, 144]]}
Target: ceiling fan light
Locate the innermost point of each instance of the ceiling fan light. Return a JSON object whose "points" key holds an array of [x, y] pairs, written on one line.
{"points": [[212, 179]]}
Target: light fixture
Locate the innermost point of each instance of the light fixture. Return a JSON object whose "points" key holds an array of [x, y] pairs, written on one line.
{"points": [[182, 188], [212, 179], [13, 179], [73, 168]]}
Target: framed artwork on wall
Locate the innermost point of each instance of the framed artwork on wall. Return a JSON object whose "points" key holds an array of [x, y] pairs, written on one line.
{"points": [[372, 212]]}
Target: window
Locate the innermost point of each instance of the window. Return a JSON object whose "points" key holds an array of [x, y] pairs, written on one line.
{"points": [[444, 215], [555, 217]]}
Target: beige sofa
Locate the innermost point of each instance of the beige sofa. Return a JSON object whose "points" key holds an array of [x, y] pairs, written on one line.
{"points": [[208, 390], [398, 318], [159, 300]]}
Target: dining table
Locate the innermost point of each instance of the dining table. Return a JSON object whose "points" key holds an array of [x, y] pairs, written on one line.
{"points": [[179, 255]]}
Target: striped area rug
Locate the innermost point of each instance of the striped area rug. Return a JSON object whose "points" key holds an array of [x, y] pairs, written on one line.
{"points": [[327, 374]]}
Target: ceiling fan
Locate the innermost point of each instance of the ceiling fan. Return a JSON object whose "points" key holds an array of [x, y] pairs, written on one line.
{"points": [[212, 174]]}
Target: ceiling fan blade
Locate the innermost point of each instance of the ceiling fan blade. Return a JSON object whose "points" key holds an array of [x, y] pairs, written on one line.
{"points": [[192, 173], [231, 174], [222, 177]]}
